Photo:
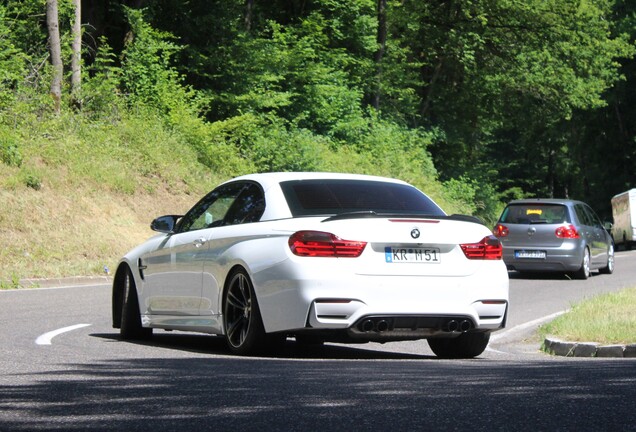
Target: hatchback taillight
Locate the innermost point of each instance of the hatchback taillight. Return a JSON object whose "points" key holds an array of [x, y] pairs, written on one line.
{"points": [[323, 244], [500, 231], [489, 248], [567, 232]]}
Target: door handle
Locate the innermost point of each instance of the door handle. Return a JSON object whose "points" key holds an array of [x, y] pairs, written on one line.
{"points": [[199, 242]]}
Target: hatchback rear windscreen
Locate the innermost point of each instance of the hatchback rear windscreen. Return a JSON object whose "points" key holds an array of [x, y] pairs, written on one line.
{"points": [[332, 197], [535, 214]]}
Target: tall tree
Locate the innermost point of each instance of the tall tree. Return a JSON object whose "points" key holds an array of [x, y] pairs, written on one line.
{"points": [[379, 54], [493, 68], [76, 58], [249, 7], [55, 48]]}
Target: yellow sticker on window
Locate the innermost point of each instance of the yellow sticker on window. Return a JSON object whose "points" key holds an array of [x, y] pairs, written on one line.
{"points": [[534, 211]]}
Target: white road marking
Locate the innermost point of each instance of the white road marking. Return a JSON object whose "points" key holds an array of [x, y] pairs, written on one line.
{"points": [[45, 339], [622, 255], [522, 327]]}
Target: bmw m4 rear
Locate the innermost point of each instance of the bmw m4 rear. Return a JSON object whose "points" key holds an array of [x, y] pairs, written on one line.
{"points": [[321, 257]]}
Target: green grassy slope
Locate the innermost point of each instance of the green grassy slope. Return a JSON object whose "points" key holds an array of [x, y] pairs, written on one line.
{"points": [[77, 195]]}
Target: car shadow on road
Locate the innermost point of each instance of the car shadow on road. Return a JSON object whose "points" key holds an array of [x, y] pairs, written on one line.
{"points": [[215, 345], [512, 274]]}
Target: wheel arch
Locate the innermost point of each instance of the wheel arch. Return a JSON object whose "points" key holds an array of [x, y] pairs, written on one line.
{"points": [[581, 272], [118, 292]]}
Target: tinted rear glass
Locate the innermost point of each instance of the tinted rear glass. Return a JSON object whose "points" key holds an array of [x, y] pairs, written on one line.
{"points": [[535, 214], [331, 197]]}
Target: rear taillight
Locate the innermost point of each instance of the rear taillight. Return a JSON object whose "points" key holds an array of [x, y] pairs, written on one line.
{"points": [[489, 248], [323, 244], [567, 232], [500, 231]]}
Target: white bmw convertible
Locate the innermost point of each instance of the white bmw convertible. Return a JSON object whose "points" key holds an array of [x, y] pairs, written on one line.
{"points": [[316, 257]]}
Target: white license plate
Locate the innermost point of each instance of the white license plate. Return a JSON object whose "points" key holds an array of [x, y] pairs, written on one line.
{"points": [[530, 254], [412, 255]]}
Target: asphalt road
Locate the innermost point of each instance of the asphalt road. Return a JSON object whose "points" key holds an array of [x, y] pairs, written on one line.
{"points": [[62, 367]]}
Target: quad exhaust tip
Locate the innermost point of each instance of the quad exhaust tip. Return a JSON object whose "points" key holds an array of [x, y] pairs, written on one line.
{"points": [[458, 326], [380, 325]]}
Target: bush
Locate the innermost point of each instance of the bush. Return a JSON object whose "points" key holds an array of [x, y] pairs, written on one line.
{"points": [[477, 198], [9, 150], [461, 191], [147, 74], [101, 99], [12, 61], [279, 149]]}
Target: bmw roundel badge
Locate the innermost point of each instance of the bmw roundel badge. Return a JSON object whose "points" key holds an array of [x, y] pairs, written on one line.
{"points": [[415, 233]]}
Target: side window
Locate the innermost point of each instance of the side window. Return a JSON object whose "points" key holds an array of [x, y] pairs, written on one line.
{"points": [[248, 207], [582, 215], [212, 209], [595, 221]]}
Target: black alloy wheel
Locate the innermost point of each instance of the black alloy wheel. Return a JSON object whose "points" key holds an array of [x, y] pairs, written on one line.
{"points": [[244, 330]]}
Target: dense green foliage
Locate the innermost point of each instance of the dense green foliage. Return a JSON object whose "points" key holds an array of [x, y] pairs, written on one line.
{"points": [[474, 101]]}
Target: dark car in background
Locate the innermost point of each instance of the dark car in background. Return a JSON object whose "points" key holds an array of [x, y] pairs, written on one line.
{"points": [[554, 235]]}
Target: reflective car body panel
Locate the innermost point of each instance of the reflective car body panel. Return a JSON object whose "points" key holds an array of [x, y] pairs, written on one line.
{"points": [[552, 235], [412, 266]]}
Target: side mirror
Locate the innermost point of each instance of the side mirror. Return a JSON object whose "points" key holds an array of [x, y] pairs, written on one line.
{"points": [[165, 224], [608, 226]]}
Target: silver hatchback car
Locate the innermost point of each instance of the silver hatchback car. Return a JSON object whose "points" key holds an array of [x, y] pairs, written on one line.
{"points": [[557, 235]]}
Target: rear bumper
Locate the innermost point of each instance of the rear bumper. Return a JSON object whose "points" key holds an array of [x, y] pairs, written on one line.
{"points": [[381, 328], [557, 259], [399, 308], [363, 324]]}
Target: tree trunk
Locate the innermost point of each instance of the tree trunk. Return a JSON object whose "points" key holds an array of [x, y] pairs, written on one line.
{"points": [[379, 54], [428, 90], [249, 6], [76, 59], [56, 53], [551, 173]]}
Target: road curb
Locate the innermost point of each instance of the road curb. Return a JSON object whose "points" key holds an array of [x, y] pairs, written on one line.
{"points": [[66, 281], [557, 347]]}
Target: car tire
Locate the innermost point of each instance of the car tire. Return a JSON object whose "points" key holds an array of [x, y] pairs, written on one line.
{"points": [[466, 345], [244, 330], [584, 272], [609, 268], [131, 328]]}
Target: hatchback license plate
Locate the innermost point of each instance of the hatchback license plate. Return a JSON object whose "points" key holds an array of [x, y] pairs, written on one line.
{"points": [[412, 255], [531, 254]]}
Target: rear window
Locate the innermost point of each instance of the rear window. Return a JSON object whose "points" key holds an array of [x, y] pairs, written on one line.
{"points": [[535, 214], [332, 197]]}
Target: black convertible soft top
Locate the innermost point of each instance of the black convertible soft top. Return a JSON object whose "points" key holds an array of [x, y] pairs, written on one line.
{"points": [[329, 197]]}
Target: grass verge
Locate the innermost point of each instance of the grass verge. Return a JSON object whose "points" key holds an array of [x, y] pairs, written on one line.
{"points": [[607, 319]]}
